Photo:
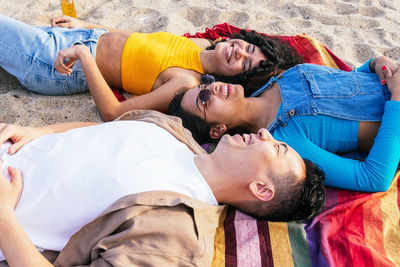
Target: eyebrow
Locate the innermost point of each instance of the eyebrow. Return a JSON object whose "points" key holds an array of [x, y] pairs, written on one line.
{"points": [[251, 52]]}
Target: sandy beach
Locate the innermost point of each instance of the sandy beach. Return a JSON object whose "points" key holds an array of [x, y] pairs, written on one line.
{"points": [[354, 30]]}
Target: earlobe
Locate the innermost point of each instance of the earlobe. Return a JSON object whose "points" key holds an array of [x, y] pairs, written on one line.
{"points": [[217, 131], [262, 191]]}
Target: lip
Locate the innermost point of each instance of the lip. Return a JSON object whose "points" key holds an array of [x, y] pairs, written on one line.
{"points": [[225, 90]]}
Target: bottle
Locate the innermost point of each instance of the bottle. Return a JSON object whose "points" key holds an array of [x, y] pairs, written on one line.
{"points": [[68, 8]]}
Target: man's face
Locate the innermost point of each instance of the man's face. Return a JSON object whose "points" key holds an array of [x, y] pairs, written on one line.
{"points": [[259, 155]]}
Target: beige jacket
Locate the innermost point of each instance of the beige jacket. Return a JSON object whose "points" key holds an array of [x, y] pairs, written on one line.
{"points": [[157, 228]]}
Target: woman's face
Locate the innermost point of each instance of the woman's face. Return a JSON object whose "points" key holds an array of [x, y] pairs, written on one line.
{"points": [[225, 103], [236, 56]]}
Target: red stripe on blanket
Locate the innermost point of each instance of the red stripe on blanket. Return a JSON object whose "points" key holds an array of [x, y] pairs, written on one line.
{"points": [[230, 238], [341, 65], [354, 228], [219, 30], [265, 244], [307, 50]]}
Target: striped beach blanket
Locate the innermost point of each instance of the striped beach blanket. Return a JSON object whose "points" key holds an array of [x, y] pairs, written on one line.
{"points": [[354, 228]]}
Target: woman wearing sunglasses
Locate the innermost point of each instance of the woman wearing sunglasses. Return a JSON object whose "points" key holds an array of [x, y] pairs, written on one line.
{"points": [[319, 111], [153, 66]]}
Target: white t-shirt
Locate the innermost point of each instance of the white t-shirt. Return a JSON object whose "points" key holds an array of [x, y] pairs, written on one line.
{"points": [[72, 177]]}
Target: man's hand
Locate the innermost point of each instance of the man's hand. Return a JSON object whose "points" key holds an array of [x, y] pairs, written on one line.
{"points": [[69, 22], [10, 191], [14, 242], [378, 63], [18, 135], [393, 82]]}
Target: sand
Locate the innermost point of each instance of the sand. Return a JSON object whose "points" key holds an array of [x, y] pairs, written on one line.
{"points": [[353, 30]]}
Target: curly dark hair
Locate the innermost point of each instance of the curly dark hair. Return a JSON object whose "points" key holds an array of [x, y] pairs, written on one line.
{"points": [[280, 56]]}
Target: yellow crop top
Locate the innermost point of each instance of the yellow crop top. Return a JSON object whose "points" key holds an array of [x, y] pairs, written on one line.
{"points": [[146, 55]]}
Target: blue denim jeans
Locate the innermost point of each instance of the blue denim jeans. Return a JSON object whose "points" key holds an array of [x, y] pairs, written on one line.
{"points": [[309, 89], [28, 53]]}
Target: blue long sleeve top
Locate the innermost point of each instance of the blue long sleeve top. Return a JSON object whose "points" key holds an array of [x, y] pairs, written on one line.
{"points": [[320, 138]]}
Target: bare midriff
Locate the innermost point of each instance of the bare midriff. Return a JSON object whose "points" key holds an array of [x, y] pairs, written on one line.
{"points": [[108, 56], [367, 131]]}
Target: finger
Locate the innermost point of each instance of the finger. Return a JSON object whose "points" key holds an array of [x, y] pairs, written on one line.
{"points": [[14, 148], [16, 176], [66, 69], [5, 133], [70, 62], [381, 77], [56, 20], [16, 183], [60, 66], [62, 25], [387, 73]]}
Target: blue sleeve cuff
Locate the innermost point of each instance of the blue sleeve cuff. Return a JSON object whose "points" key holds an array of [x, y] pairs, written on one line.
{"points": [[365, 67]]}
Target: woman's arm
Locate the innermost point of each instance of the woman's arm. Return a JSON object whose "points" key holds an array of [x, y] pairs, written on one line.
{"points": [[69, 22], [373, 174], [109, 107], [15, 244], [377, 171]]}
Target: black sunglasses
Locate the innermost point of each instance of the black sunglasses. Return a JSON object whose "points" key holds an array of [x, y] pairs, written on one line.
{"points": [[205, 95]]}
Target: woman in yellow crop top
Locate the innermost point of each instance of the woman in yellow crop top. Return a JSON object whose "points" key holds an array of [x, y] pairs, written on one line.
{"points": [[152, 66]]}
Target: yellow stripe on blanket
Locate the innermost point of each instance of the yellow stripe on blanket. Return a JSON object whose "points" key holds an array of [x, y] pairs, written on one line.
{"points": [[390, 222], [219, 242], [280, 244], [324, 55]]}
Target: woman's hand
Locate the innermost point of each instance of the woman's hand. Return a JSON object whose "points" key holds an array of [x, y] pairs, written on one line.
{"points": [[18, 135], [67, 57], [10, 191], [378, 63], [392, 81], [69, 22]]}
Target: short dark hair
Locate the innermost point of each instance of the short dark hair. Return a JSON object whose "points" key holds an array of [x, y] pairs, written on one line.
{"points": [[199, 128], [280, 56], [294, 200]]}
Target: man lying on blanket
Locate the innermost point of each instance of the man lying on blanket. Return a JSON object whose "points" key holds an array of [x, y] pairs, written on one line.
{"points": [[89, 191]]}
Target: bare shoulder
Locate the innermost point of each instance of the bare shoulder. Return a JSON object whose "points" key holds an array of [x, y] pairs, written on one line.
{"points": [[178, 77], [201, 42]]}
